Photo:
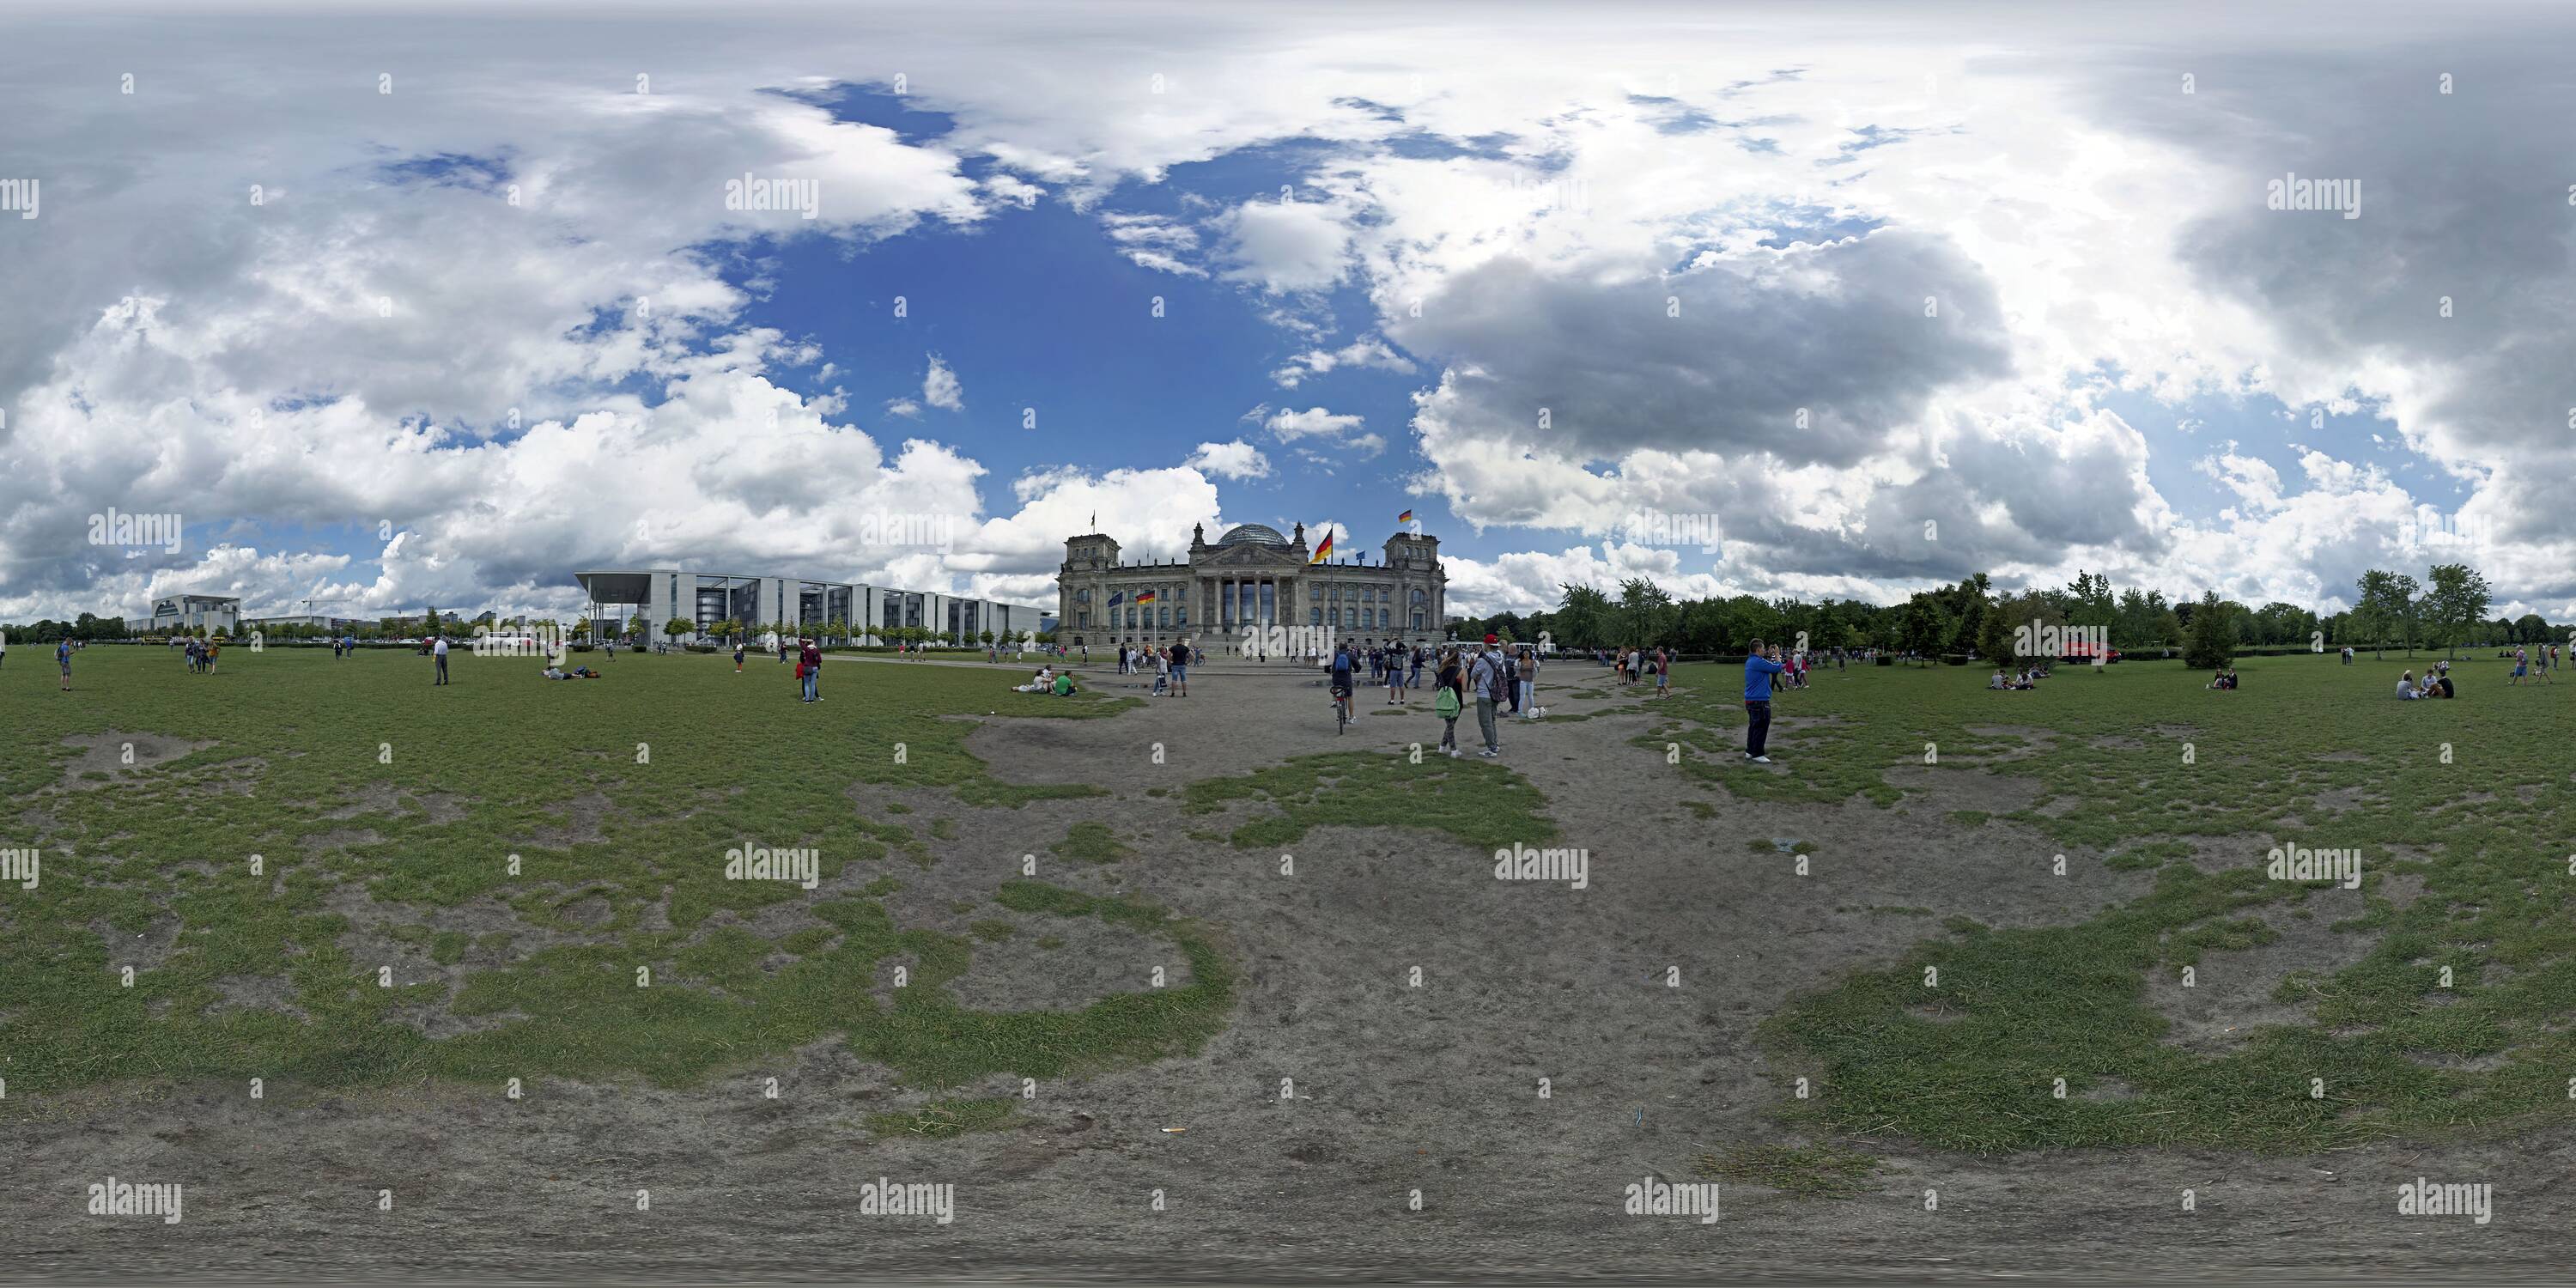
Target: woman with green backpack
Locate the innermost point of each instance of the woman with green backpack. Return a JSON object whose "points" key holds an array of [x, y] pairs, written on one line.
{"points": [[1449, 689]]}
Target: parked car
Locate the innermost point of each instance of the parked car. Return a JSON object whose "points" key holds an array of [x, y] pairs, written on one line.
{"points": [[2082, 651]]}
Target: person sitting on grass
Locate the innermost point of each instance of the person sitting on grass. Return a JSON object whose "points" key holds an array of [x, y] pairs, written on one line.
{"points": [[1044, 682], [1064, 684], [2406, 690], [1998, 682]]}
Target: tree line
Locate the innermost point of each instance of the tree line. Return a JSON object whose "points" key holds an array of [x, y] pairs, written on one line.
{"points": [[2446, 610]]}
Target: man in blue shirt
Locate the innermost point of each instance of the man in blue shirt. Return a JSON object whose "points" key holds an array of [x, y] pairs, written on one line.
{"points": [[1342, 672], [1758, 670]]}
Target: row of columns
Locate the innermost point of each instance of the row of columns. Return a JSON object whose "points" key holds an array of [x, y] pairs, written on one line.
{"points": [[1228, 603]]}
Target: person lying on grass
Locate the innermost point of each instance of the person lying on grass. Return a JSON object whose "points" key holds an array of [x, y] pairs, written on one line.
{"points": [[1044, 682], [577, 673]]}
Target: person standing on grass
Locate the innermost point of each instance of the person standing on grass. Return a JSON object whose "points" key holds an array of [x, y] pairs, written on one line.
{"points": [[1449, 700], [1394, 678], [1489, 678], [809, 664], [213, 651], [1759, 667], [438, 650], [1528, 696], [1663, 672], [737, 655], [1181, 656], [63, 659]]}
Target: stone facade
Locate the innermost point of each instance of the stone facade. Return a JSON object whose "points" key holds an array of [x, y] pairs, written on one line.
{"points": [[1250, 577]]}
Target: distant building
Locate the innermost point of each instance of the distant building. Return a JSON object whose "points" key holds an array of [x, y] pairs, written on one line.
{"points": [[808, 606], [315, 621], [189, 612], [1250, 577]]}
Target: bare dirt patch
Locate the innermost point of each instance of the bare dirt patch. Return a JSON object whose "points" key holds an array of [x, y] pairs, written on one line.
{"points": [[2234, 992], [119, 755]]}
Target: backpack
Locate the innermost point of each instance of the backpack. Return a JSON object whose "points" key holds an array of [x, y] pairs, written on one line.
{"points": [[1446, 705]]}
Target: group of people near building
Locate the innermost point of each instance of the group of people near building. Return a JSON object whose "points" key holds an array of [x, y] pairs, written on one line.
{"points": [[201, 654], [1168, 664], [1494, 679], [1049, 680]]}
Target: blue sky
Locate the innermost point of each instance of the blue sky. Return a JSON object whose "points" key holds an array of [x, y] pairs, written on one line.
{"points": [[1880, 300]]}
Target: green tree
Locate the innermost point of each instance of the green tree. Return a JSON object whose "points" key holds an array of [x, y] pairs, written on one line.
{"points": [[1644, 610], [2213, 638], [678, 626], [2376, 608], [2456, 603], [1995, 639], [1923, 626], [1582, 616]]}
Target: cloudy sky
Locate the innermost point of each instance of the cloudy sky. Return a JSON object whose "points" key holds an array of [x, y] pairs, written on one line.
{"points": [[438, 305]]}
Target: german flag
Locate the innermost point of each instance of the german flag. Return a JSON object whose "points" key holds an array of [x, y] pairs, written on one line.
{"points": [[1144, 597], [1406, 517], [1323, 550]]}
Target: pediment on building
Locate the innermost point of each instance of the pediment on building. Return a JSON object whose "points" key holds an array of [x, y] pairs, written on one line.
{"points": [[1251, 557]]}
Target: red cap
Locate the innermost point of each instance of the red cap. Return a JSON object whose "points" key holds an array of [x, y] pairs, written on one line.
{"points": [[1493, 639]]}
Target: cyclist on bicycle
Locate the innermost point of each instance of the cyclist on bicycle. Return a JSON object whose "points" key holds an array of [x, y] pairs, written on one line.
{"points": [[1342, 675]]}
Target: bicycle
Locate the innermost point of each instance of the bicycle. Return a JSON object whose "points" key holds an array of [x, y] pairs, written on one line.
{"points": [[1341, 711]]}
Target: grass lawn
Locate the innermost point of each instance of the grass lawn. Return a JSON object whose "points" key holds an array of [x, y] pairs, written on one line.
{"points": [[224, 864], [2466, 804]]}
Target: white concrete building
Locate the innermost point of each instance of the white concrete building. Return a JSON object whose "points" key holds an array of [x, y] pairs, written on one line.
{"points": [[176, 613], [806, 605]]}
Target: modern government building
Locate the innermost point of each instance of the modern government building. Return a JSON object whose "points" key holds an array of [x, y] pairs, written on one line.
{"points": [[759, 601], [1250, 577]]}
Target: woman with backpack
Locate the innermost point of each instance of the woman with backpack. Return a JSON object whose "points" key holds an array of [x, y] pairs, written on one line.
{"points": [[1449, 690]]}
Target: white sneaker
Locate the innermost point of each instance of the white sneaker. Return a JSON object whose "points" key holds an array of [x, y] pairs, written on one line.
{"points": [[1761, 760]]}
